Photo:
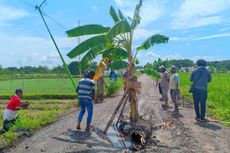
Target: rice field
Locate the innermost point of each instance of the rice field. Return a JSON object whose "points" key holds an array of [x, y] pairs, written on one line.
{"points": [[218, 102]]}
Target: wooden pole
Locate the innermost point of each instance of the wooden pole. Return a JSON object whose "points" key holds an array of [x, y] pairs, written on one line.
{"points": [[56, 46], [125, 95], [122, 110]]}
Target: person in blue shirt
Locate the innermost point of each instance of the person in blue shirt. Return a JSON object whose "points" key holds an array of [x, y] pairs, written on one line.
{"points": [[200, 78], [86, 95], [113, 76]]}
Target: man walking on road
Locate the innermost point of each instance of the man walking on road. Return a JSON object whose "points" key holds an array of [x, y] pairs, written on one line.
{"points": [[200, 78], [164, 83], [174, 89], [86, 94]]}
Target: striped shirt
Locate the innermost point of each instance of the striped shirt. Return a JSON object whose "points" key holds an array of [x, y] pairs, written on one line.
{"points": [[86, 89]]}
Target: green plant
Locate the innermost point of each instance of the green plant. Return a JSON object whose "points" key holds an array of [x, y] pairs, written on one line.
{"points": [[111, 42]]}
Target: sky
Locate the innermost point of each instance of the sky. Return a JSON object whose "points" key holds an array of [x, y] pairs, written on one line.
{"points": [[196, 28]]}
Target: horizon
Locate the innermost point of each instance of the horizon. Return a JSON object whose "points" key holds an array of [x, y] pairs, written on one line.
{"points": [[196, 29]]}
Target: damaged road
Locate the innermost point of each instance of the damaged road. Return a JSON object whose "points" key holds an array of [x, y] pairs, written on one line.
{"points": [[168, 134]]}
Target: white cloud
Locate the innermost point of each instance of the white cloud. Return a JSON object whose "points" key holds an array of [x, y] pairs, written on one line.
{"points": [[95, 8], [9, 13], [142, 33], [150, 11], [152, 54], [197, 13], [186, 38], [221, 35], [30, 50]]}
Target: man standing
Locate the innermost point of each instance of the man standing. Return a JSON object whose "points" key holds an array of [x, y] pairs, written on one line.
{"points": [[10, 113], [174, 89], [200, 78], [164, 83], [113, 76], [86, 94]]}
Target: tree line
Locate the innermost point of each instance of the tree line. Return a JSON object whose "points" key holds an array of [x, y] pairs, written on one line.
{"points": [[74, 68], [214, 66]]}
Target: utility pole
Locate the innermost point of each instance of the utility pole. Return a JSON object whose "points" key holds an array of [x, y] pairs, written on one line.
{"points": [[55, 44]]}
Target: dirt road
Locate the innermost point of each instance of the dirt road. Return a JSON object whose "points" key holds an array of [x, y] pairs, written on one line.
{"points": [[182, 136]]}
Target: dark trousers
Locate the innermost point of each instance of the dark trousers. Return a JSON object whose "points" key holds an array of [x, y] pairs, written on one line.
{"points": [[199, 98], [175, 96], [7, 124]]}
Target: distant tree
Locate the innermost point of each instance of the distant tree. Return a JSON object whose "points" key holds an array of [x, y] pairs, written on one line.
{"points": [[93, 66], [58, 70], [182, 63], [74, 68]]}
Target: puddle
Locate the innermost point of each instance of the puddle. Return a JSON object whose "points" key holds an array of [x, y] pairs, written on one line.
{"points": [[117, 139], [140, 103]]}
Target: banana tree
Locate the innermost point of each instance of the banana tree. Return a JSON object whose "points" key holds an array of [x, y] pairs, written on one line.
{"points": [[115, 43]]}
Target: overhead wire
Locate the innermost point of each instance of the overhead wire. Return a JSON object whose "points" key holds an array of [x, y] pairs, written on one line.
{"points": [[27, 3], [52, 19]]}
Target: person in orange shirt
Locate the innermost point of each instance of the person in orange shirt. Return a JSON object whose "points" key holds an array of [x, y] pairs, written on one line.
{"points": [[10, 113]]}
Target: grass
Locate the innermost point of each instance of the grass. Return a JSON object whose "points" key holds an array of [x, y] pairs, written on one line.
{"points": [[218, 102], [53, 88], [218, 95], [40, 114], [38, 86]]}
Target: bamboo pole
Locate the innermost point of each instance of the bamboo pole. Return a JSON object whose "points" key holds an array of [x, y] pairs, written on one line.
{"points": [[55, 44], [125, 95], [122, 110]]}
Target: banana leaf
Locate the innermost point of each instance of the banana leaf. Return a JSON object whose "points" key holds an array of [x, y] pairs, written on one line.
{"points": [[87, 30], [113, 14], [153, 40], [120, 27], [115, 53], [86, 45], [117, 65]]}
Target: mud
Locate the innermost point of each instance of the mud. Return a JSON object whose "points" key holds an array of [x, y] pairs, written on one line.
{"points": [[168, 135]]}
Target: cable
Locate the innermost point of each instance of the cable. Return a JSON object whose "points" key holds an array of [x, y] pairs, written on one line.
{"points": [[57, 23], [31, 5], [60, 25]]}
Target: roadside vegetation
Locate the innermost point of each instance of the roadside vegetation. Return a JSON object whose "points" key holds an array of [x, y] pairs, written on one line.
{"points": [[39, 114], [46, 107], [218, 95]]}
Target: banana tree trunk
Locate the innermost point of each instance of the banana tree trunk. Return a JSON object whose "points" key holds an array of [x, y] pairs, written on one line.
{"points": [[133, 92]]}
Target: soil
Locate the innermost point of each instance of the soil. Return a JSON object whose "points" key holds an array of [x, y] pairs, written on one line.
{"points": [[169, 135]]}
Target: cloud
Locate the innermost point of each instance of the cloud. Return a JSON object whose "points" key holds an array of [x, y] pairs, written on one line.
{"points": [[142, 33], [150, 11], [95, 8], [9, 13], [186, 38], [152, 54], [30, 50], [197, 13], [221, 35]]}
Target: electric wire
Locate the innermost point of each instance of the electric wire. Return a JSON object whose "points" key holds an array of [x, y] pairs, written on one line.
{"points": [[52, 19]]}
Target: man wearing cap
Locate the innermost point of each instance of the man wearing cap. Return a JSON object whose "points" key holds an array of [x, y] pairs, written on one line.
{"points": [[86, 95], [174, 89], [10, 113], [200, 78]]}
